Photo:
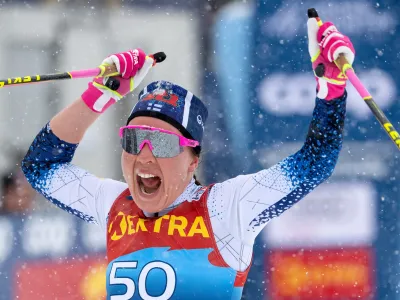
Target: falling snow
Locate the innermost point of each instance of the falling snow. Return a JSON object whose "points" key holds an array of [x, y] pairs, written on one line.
{"points": [[315, 181]]}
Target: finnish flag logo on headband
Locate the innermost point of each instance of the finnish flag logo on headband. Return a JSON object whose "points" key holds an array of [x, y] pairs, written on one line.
{"points": [[154, 106]]}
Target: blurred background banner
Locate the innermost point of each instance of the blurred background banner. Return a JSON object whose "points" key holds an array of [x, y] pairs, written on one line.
{"points": [[341, 241], [46, 253], [51, 256], [70, 35], [249, 62]]}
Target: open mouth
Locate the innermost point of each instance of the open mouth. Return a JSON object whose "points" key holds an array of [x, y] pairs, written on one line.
{"points": [[148, 183]]}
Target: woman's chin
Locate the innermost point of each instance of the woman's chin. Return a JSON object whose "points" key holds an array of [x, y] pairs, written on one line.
{"points": [[148, 207]]}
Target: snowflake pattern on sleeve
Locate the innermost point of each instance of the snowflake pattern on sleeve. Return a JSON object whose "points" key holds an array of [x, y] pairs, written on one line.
{"points": [[312, 164], [49, 157], [245, 204]]}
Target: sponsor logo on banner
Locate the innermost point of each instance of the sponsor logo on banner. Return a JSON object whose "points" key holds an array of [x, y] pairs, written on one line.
{"points": [[48, 236], [335, 213], [290, 14], [83, 278], [321, 274], [93, 237], [280, 93]]}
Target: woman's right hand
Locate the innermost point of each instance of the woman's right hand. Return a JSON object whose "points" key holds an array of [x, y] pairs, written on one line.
{"points": [[132, 67]]}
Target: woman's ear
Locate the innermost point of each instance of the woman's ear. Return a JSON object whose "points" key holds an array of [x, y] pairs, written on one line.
{"points": [[194, 164]]}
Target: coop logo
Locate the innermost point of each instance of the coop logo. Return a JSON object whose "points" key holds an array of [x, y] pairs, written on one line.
{"points": [[285, 94], [288, 21], [126, 225]]}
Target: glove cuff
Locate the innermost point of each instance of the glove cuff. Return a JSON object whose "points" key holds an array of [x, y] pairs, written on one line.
{"points": [[97, 100], [329, 91]]}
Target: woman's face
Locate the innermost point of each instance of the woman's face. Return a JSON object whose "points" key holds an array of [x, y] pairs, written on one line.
{"points": [[155, 183]]}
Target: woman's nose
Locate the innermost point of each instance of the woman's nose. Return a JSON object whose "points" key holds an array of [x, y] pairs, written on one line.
{"points": [[145, 155]]}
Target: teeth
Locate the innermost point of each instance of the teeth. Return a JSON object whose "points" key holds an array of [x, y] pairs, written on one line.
{"points": [[146, 175]]}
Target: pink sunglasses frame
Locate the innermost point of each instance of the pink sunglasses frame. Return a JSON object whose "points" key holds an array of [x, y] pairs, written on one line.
{"points": [[185, 142]]}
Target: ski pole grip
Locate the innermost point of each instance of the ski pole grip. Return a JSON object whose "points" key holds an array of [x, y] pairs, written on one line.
{"points": [[312, 13], [341, 62]]}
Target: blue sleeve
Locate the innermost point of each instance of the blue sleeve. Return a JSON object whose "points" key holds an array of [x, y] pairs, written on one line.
{"points": [[316, 160], [46, 152], [48, 168], [249, 202]]}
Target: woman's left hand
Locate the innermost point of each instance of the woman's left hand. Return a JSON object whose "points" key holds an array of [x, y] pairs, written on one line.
{"points": [[325, 44]]}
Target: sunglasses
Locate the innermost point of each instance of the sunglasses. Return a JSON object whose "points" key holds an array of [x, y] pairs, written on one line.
{"points": [[162, 143]]}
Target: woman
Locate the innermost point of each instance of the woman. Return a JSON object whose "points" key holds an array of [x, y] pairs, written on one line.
{"points": [[168, 237]]}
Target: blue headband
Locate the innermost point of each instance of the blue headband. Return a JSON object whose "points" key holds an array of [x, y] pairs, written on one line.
{"points": [[175, 105]]}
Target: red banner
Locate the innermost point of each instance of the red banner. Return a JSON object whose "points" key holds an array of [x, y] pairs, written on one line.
{"points": [[321, 274], [61, 279]]}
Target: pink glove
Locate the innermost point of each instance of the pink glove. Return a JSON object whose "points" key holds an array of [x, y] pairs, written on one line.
{"points": [[132, 66], [325, 43]]}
